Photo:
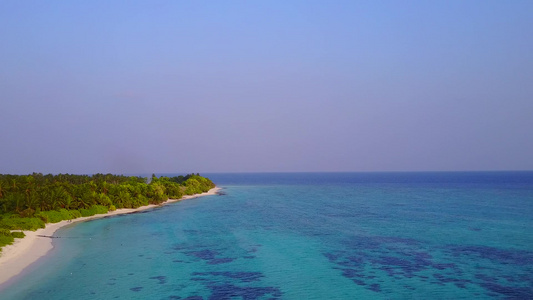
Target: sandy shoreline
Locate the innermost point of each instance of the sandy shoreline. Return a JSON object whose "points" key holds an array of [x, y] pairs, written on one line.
{"points": [[24, 252]]}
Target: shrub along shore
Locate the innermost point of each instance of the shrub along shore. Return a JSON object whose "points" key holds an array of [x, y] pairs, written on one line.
{"points": [[28, 202]]}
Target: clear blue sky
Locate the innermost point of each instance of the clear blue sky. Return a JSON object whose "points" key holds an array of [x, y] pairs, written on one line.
{"points": [[232, 86]]}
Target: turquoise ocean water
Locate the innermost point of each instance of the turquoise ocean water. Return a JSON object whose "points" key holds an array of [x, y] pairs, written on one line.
{"points": [[306, 236]]}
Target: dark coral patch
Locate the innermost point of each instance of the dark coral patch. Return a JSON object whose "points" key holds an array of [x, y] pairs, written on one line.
{"points": [[398, 258], [210, 256], [136, 289], [218, 261], [229, 291], [359, 282], [444, 266], [242, 276], [510, 292], [518, 257], [161, 279], [222, 285], [486, 278], [203, 254], [375, 287], [375, 242]]}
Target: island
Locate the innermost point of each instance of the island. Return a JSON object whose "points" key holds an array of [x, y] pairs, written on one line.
{"points": [[33, 207]]}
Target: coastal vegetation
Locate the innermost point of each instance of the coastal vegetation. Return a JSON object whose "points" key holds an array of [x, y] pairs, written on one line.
{"points": [[28, 202]]}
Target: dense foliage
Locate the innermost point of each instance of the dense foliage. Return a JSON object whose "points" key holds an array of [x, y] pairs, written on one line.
{"points": [[27, 202]]}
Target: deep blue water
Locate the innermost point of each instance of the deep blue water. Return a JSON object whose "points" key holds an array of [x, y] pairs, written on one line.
{"points": [[307, 236]]}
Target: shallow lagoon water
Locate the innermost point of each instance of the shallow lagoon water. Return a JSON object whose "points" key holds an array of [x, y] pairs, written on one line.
{"points": [[307, 236]]}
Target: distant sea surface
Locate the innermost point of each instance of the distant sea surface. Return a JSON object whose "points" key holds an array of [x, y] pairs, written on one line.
{"points": [[306, 236]]}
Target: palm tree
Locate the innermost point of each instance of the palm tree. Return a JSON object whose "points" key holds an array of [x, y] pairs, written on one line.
{"points": [[32, 199], [44, 198], [79, 202]]}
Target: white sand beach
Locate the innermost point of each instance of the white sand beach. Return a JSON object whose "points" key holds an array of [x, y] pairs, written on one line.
{"points": [[24, 252]]}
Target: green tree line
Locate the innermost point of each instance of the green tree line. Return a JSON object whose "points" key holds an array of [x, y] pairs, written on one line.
{"points": [[28, 202]]}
